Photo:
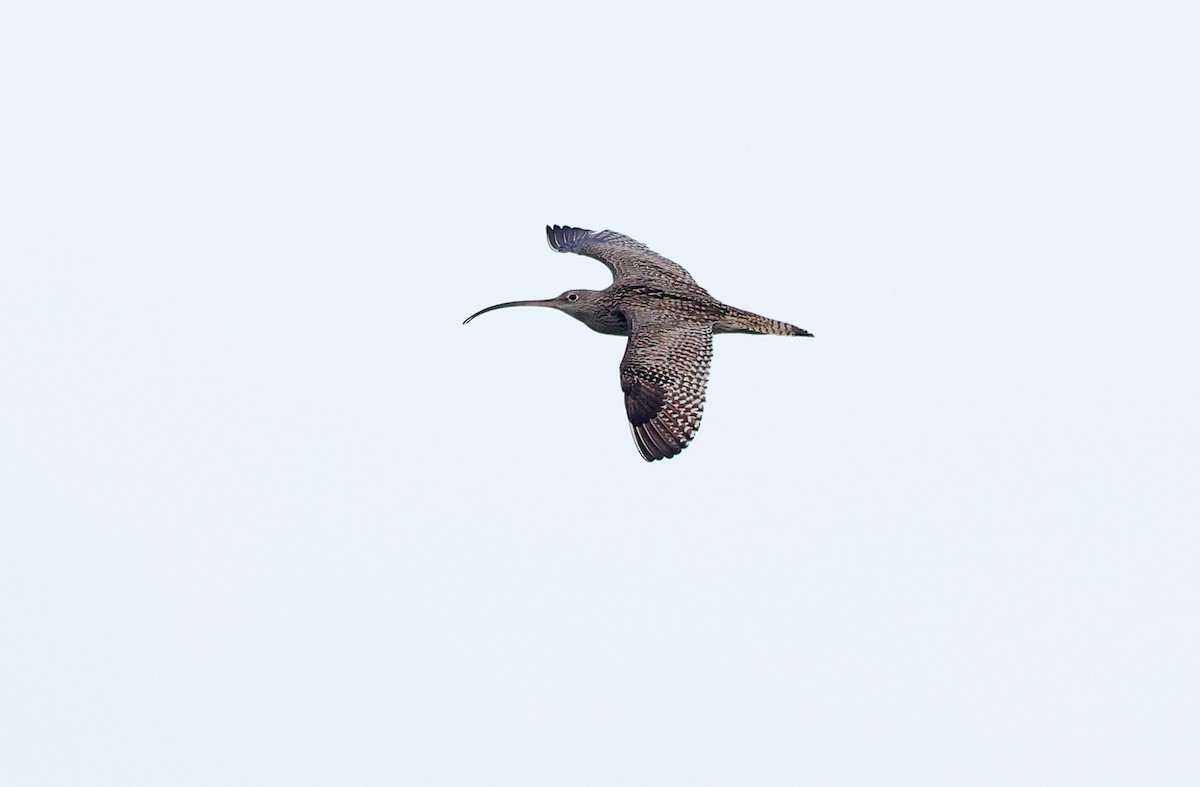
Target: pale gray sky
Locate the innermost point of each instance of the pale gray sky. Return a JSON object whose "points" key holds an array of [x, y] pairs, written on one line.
{"points": [[270, 515]]}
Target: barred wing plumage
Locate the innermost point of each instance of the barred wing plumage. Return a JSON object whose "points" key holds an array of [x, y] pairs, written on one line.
{"points": [[624, 256], [663, 375]]}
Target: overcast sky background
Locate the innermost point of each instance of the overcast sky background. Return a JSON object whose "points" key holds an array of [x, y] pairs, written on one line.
{"points": [[269, 514]]}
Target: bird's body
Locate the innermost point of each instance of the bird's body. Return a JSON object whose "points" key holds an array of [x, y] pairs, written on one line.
{"points": [[670, 321]]}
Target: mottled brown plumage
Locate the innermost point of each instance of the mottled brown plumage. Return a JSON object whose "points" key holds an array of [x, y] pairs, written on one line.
{"points": [[670, 321]]}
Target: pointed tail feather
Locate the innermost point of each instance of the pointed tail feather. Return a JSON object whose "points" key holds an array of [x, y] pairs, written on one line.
{"points": [[738, 321]]}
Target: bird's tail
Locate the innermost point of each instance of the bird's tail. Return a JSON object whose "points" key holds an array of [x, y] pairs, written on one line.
{"points": [[738, 321]]}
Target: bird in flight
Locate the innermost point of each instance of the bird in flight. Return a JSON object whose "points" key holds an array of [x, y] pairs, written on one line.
{"points": [[670, 321]]}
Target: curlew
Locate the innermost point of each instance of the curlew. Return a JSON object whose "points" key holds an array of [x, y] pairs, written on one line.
{"points": [[670, 321]]}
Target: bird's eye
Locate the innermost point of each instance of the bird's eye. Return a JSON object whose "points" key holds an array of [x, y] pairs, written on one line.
{"points": [[572, 297]]}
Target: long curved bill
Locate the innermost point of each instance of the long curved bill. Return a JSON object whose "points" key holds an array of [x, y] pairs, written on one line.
{"points": [[547, 302]]}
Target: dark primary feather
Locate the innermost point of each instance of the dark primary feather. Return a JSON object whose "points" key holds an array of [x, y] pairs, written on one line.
{"points": [[624, 256], [664, 375]]}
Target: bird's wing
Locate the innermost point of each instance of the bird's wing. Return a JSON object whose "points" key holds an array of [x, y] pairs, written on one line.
{"points": [[623, 255], [664, 374]]}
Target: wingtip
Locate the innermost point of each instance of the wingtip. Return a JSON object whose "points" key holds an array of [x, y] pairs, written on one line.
{"points": [[653, 443], [564, 238]]}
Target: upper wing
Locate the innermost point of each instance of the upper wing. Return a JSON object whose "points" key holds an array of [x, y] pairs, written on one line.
{"points": [[664, 374], [623, 255]]}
